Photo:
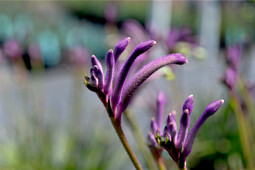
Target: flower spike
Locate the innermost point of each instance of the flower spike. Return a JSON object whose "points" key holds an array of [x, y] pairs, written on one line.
{"points": [[210, 110], [184, 127], [95, 61], [141, 48], [100, 76], [188, 104], [154, 125], [110, 64], [145, 73], [120, 47]]}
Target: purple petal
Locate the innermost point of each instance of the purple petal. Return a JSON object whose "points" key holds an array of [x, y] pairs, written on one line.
{"points": [[160, 108], [188, 104], [120, 47], [230, 78], [171, 117], [141, 48], [210, 110], [172, 130], [110, 64], [100, 77], [154, 125], [146, 72], [95, 61], [184, 127], [152, 140]]}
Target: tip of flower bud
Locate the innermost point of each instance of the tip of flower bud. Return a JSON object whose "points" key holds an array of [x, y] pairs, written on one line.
{"points": [[161, 96], [128, 38], [110, 51], [186, 111], [154, 42], [222, 101], [191, 96]]}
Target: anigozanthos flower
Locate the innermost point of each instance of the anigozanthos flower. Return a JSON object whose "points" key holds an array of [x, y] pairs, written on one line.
{"points": [[179, 144]]}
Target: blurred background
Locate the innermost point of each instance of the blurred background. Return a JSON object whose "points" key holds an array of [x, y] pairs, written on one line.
{"points": [[50, 120]]}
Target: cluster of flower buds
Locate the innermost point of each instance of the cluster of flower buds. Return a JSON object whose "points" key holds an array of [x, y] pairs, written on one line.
{"points": [[232, 73], [118, 97], [178, 143]]}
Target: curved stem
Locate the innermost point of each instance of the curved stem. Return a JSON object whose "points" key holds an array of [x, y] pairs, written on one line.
{"points": [[131, 154], [132, 120], [161, 165]]}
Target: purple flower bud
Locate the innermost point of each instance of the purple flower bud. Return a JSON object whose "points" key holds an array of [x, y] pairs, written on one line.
{"points": [[230, 78], [171, 117], [99, 75], [184, 126], [154, 125], [152, 140], [110, 64], [172, 130], [120, 47], [93, 80], [95, 61], [188, 104], [141, 48], [160, 108], [234, 55], [209, 110], [145, 73]]}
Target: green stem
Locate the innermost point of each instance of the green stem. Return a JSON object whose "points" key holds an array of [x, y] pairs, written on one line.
{"points": [[140, 140], [242, 127], [161, 165], [131, 154]]}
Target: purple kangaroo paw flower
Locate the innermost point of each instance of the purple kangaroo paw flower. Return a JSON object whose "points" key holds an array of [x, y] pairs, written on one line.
{"points": [[145, 73], [184, 127], [99, 75], [188, 104], [160, 108], [209, 110], [154, 125], [152, 140], [120, 47], [141, 48], [172, 131], [171, 117], [95, 61], [93, 80], [110, 64]]}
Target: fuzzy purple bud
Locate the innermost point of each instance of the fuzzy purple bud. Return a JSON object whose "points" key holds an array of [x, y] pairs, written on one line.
{"points": [[95, 61], [234, 55], [99, 75], [141, 48], [184, 126], [110, 64], [171, 117], [172, 130], [230, 78], [188, 104], [209, 110], [160, 108], [120, 47], [152, 140], [154, 125], [144, 73]]}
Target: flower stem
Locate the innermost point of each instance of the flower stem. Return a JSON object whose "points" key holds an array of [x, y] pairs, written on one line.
{"points": [[161, 165], [242, 127], [131, 119], [131, 154]]}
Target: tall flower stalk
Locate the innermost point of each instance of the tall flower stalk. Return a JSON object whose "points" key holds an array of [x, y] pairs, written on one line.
{"points": [[179, 143], [117, 98]]}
